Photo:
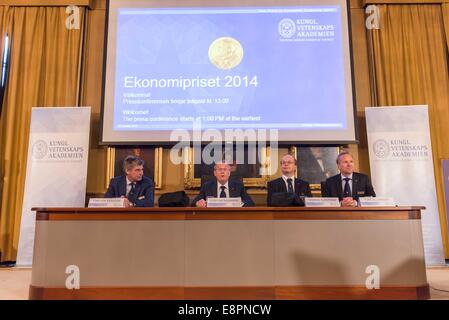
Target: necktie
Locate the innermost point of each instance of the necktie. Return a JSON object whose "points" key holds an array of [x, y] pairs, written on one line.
{"points": [[289, 185], [222, 193], [133, 189], [347, 189]]}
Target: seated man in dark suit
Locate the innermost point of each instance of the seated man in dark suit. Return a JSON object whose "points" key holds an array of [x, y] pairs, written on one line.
{"points": [[137, 189], [348, 186], [222, 187], [288, 182]]}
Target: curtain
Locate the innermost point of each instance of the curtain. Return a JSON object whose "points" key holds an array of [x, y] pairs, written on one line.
{"points": [[44, 71], [411, 67]]}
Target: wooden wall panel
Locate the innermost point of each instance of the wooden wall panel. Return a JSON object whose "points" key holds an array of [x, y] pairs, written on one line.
{"points": [[173, 174], [91, 96]]}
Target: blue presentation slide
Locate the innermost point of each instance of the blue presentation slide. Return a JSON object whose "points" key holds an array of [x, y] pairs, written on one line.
{"points": [[251, 67]]}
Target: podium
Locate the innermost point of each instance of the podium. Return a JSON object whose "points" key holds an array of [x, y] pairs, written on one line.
{"points": [[229, 253]]}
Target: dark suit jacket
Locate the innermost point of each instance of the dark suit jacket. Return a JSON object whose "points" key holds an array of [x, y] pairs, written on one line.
{"points": [[236, 189], [361, 187], [143, 195], [302, 188]]}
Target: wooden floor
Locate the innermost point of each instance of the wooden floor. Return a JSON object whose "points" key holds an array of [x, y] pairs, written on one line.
{"points": [[14, 283]]}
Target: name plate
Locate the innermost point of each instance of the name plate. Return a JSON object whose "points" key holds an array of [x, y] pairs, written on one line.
{"points": [[224, 202], [322, 202], [376, 202], [106, 203]]}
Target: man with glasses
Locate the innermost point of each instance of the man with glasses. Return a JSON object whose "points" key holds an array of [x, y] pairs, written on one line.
{"points": [[222, 187]]}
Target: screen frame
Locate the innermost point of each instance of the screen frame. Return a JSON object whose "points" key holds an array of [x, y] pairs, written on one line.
{"points": [[279, 143]]}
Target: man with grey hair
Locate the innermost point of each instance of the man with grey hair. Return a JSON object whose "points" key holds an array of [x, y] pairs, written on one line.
{"points": [[348, 186], [222, 187], [137, 189], [288, 183]]}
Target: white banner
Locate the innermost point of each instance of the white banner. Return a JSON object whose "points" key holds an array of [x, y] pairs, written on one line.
{"points": [[56, 167], [400, 153]]}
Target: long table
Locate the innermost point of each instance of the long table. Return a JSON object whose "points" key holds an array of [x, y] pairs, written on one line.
{"points": [[229, 253]]}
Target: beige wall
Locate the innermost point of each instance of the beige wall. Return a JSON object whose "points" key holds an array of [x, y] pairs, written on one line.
{"points": [[173, 175]]}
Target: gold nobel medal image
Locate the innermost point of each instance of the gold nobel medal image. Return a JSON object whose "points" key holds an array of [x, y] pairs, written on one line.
{"points": [[225, 53]]}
